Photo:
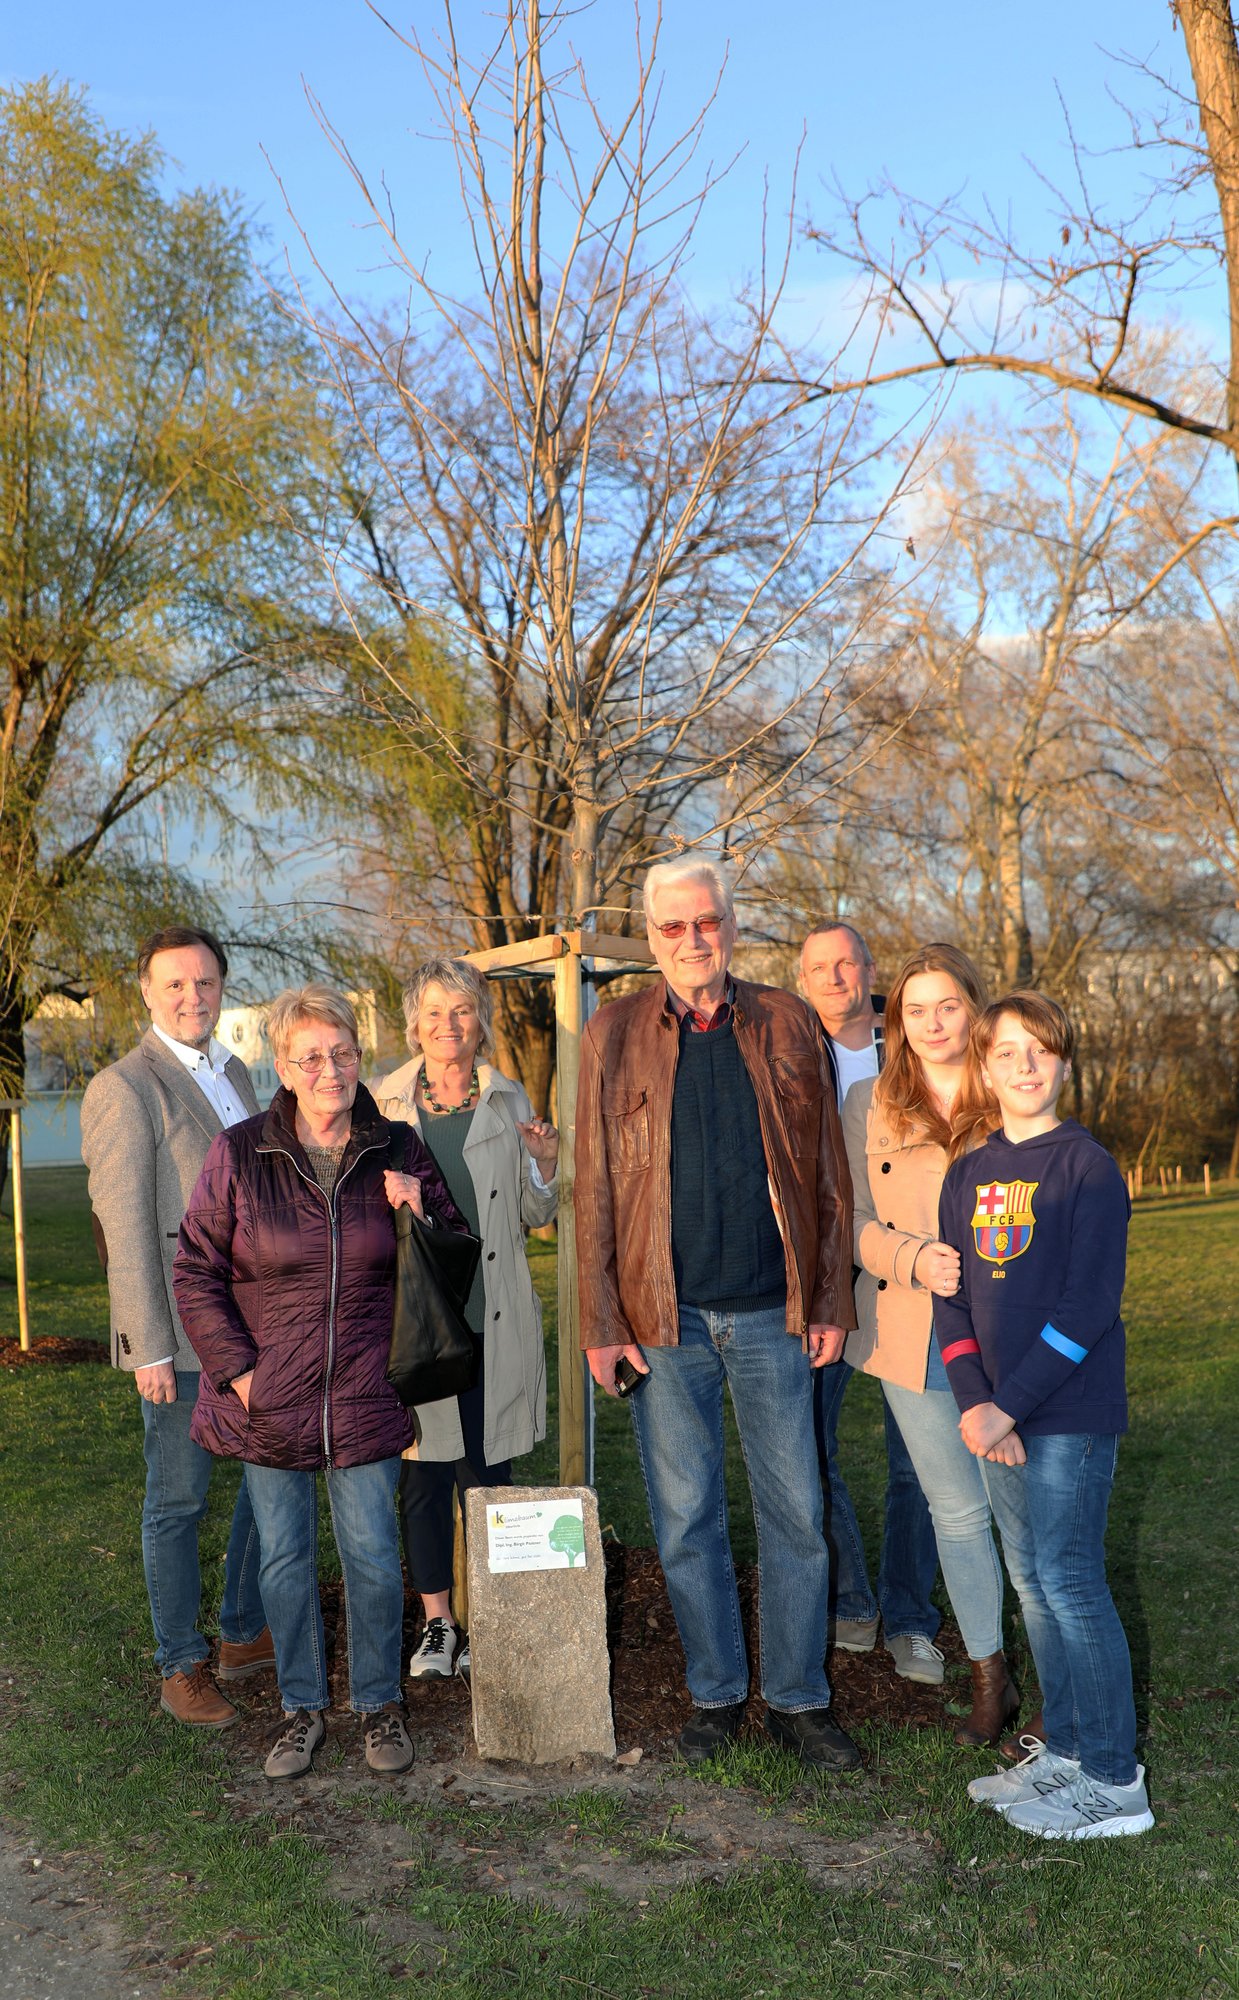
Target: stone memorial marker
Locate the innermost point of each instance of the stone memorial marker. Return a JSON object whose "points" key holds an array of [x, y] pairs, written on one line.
{"points": [[538, 1624]]}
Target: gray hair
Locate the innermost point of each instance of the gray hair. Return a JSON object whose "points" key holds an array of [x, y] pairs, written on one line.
{"points": [[298, 1004], [686, 868], [457, 976], [824, 928]]}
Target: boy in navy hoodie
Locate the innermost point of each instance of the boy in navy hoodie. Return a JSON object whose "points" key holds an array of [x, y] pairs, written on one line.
{"points": [[1034, 1349]]}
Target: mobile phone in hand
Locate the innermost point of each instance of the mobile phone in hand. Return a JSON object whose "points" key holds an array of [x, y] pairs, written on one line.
{"points": [[627, 1377]]}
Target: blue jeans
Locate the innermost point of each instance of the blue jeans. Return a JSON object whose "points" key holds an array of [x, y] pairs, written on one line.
{"points": [[909, 1564], [363, 1514], [678, 1418], [178, 1473], [950, 1478], [1051, 1514]]}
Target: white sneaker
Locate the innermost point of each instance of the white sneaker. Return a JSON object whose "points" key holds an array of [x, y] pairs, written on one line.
{"points": [[433, 1659], [464, 1662], [1038, 1774], [917, 1658], [1085, 1809]]}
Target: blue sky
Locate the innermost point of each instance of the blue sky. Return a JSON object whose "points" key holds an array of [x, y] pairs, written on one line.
{"points": [[940, 96], [945, 99]]}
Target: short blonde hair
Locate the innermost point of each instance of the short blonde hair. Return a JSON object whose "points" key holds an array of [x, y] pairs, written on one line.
{"points": [[456, 975], [686, 868], [297, 1004]]}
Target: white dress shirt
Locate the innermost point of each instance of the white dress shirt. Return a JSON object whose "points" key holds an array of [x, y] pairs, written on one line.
{"points": [[207, 1068]]}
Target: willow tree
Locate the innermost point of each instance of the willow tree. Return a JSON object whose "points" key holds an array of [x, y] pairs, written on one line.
{"points": [[157, 445], [633, 554]]}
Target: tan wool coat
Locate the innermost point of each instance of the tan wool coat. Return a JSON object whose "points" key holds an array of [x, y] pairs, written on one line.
{"points": [[896, 1182], [146, 1130], [509, 1203]]}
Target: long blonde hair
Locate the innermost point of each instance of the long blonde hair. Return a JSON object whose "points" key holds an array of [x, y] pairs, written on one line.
{"points": [[902, 1091]]}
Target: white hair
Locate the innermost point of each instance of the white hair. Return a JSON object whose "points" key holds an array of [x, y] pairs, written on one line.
{"points": [[686, 868]]}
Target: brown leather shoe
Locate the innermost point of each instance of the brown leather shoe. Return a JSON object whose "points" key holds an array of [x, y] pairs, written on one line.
{"points": [[237, 1659], [1015, 1746], [995, 1699], [194, 1698]]}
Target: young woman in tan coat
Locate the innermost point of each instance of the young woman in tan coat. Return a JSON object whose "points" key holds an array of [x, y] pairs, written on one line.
{"points": [[902, 1131]]}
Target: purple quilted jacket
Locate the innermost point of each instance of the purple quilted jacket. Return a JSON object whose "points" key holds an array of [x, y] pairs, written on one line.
{"points": [[271, 1276]]}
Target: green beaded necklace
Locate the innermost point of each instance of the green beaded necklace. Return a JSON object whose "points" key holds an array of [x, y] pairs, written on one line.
{"points": [[446, 1110]]}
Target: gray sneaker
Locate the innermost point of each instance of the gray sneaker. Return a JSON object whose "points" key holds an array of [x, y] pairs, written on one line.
{"points": [[292, 1753], [917, 1658], [389, 1747], [432, 1660], [1085, 1809], [1037, 1774]]}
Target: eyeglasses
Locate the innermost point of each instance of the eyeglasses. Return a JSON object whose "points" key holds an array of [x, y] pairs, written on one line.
{"points": [[316, 1061], [707, 925]]}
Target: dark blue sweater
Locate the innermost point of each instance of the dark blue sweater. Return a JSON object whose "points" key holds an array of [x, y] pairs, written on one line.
{"points": [[725, 1244], [1041, 1227]]}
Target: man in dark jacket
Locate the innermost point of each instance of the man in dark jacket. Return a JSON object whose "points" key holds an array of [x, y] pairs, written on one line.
{"points": [[714, 1235], [836, 977]]}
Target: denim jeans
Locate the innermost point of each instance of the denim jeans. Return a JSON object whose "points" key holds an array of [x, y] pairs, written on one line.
{"points": [[909, 1564], [678, 1418], [1051, 1514], [950, 1478], [178, 1473], [363, 1514]]}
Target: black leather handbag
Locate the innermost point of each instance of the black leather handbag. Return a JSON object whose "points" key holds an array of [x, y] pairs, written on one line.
{"points": [[433, 1354]]}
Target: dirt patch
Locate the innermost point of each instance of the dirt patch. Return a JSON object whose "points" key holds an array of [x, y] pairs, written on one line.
{"points": [[649, 1698], [53, 1348], [558, 1834]]}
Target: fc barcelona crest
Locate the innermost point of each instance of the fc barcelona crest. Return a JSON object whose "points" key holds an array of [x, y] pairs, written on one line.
{"points": [[1003, 1220]]}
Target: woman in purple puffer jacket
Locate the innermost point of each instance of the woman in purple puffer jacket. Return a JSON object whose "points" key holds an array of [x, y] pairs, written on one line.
{"points": [[284, 1283]]}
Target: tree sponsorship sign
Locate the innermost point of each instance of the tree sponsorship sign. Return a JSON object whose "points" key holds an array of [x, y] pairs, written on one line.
{"points": [[534, 1534]]}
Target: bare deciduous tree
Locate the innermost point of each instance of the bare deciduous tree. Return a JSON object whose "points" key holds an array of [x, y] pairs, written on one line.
{"points": [[646, 570]]}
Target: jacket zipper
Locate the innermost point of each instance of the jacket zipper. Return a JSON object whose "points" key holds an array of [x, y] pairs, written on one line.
{"points": [[333, 1292]]}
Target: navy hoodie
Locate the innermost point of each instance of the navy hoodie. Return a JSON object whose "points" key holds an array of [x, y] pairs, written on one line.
{"points": [[1041, 1228]]}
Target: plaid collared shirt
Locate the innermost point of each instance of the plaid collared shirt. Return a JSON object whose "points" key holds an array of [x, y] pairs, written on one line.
{"points": [[697, 1022]]}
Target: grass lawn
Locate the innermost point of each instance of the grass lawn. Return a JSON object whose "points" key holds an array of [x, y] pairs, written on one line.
{"points": [[86, 1763]]}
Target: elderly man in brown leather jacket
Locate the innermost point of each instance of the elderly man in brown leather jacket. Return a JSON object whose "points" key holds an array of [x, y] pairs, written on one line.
{"points": [[714, 1234]]}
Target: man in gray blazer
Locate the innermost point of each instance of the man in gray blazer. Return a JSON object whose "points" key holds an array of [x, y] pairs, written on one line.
{"points": [[147, 1122]]}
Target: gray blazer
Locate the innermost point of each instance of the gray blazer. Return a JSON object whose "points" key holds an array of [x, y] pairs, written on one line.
{"points": [[146, 1128]]}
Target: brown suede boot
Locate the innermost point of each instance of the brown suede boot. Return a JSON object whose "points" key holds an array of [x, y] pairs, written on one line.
{"points": [[995, 1699], [237, 1657]]}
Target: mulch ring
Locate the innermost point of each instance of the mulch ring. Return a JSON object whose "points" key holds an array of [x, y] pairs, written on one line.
{"points": [[557, 1834], [51, 1347], [649, 1698]]}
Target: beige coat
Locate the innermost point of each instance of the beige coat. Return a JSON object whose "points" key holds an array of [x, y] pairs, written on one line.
{"points": [[146, 1128], [508, 1203], [896, 1183]]}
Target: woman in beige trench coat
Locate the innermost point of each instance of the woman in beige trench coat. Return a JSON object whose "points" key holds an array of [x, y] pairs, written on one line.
{"points": [[499, 1162], [902, 1130]]}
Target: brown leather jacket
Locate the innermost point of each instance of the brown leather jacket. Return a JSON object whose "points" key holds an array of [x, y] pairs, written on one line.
{"points": [[623, 1164]]}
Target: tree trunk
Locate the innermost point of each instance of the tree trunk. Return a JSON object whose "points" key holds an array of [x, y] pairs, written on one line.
{"points": [[1017, 958], [1209, 32], [525, 1035]]}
